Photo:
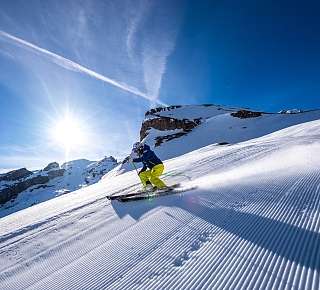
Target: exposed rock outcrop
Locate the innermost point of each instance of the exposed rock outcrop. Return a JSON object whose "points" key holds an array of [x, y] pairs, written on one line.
{"points": [[15, 175], [244, 114], [22, 184], [100, 168], [161, 109], [163, 123], [12, 191], [161, 139], [50, 166], [166, 123], [56, 173], [22, 188]]}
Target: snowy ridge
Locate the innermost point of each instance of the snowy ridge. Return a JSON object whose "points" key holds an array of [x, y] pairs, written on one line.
{"points": [[71, 176], [218, 127], [253, 223]]}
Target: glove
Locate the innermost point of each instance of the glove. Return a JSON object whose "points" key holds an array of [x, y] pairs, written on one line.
{"points": [[132, 156]]}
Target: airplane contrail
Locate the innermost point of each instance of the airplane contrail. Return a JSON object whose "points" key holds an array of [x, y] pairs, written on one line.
{"points": [[71, 65]]}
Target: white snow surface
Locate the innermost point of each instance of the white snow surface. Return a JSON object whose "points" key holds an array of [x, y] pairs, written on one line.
{"points": [[195, 111], [252, 223]]}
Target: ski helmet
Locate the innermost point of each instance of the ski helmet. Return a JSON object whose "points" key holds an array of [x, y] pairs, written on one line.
{"points": [[137, 146]]}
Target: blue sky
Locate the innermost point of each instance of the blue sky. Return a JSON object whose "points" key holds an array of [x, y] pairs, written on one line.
{"points": [[107, 62]]}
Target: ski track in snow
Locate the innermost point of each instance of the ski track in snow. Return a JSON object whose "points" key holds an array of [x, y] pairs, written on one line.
{"points": [[247, 226]]}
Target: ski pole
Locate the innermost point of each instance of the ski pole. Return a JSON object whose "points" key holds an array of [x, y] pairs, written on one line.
{"points": [[132, 163], [134, 167]]}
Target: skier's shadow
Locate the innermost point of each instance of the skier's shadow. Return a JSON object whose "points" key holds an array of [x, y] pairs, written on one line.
{"points": [[273, 235], [135, 209]]}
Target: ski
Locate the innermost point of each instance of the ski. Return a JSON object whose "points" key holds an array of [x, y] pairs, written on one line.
{"points": [[156, 194], [141, 192], [114, 197]]}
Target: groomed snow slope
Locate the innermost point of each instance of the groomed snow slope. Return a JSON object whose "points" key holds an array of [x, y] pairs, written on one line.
{"points": [[253, 223]]}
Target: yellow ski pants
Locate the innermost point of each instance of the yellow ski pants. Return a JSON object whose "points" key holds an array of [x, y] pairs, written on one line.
{"points": [[153, 176]]}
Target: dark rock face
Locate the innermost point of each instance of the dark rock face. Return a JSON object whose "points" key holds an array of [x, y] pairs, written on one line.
{"points": [[161, 139], [163, 123], [15, 175], [56, 173], [6, 195], [161, 109], [12, 191], [51, 165], [107, 159], [100, 168], [111, 158], [39, 186], [24, 182], [167, 123], [39, 179], [244, 114]]}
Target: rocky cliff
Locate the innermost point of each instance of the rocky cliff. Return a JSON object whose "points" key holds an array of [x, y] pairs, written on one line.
{"points": [[201, 125], [154, 120], [178, 121], [176, 130], [17, 181], [22, 188]]}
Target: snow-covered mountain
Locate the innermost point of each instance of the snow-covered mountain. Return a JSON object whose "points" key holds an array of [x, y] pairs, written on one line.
{"points": [[177, 130], [253, 222], [23, 188], [213, 124]]}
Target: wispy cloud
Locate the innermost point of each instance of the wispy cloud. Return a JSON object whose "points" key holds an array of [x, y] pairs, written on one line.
{"points": [[136, 20], [7, 54], [155, 25], [73, 66]]}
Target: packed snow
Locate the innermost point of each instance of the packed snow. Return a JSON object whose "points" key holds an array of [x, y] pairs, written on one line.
{"points": [[252, 223]]}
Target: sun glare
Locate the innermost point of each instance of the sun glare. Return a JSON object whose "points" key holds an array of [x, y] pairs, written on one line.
{"points": [[68, 133]]}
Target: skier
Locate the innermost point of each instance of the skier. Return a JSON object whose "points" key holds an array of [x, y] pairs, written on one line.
{"points": [[152, 166]]}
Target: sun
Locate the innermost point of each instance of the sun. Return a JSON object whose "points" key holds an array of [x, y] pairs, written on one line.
{"points": [[69, 133]]}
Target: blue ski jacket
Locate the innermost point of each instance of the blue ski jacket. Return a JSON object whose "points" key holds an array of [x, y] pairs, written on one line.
{"points": [[149, 159]]}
